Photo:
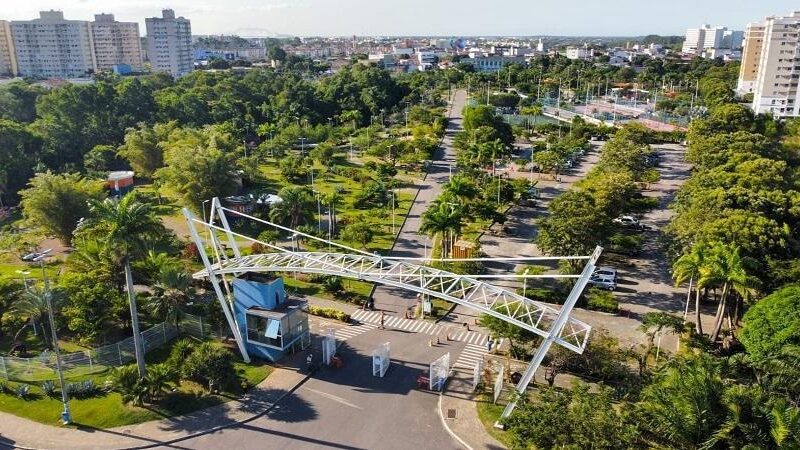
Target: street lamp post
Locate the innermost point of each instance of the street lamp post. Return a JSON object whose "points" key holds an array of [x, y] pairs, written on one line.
{"points": [[303, 146], [39, 257], [319, 213], [525, 283]]}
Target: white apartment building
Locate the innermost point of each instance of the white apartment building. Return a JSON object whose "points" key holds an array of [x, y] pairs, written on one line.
{"points": [[712, 42], [115, 43], [169, 43], [579, 53], [52, 47], [8, 58], [771, 66]]}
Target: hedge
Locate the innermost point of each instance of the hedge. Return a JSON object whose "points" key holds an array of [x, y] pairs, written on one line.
{"points": [[329, 313]]}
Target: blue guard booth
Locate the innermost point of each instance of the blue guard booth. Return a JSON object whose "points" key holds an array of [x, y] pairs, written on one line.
{"points": [[271, 323]]}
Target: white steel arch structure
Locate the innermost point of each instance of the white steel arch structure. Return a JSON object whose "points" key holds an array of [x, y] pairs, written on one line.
{"points": [[553, 324]]}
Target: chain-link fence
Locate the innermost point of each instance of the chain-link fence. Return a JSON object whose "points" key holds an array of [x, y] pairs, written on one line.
{"points": [[202, 329], [43, 367]]}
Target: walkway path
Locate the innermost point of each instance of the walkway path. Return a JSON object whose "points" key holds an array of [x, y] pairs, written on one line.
{"points": [[409, 241]]}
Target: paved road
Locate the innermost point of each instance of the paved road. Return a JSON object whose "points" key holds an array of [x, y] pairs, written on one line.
{"points": [[409, 241], [348, 408]]}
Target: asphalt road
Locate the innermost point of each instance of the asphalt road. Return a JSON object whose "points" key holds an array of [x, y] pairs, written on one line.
{"points": [[409, 242], [348, 408]]}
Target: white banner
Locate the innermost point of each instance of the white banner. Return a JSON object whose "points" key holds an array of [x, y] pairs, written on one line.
{"points": [[476, 374], [380, 360], [498, 384], [328, 346]]}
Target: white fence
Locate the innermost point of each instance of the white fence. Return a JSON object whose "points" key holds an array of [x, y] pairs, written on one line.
{"points": [[43, 366]]}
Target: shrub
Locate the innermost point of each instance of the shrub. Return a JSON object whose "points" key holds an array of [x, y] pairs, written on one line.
{"points": [[83, 389], [180, 351], [329, 313], [49, 389], [3, 387], [332, 285], [126, 381], [158, 378], [598, 300], [209, 364], [23, 391]]}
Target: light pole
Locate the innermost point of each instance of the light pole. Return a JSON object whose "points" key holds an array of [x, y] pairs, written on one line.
{"points": [[39, 257], [393, 204], [244, 144], [303, 146], [319, 213], [525, 282]]}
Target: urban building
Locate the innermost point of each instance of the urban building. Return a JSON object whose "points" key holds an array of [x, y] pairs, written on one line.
{"points": [[492, 63], [115, 43], [712, 42], [8, 58], [52, 47], [169, 44], [579, 53], [770, 69]]}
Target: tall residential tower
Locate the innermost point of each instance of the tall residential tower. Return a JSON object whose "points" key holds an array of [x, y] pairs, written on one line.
{"points": [[771, 66], [8, 58], [116, 43], [169, 43], [52, 47]]}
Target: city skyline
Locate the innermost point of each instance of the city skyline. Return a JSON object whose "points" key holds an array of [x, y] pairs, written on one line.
{"points": [[416, 17]]}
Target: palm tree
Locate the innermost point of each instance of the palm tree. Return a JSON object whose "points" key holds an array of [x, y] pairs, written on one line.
{"points": [[332, 200], [688, 266], [296, 207], [124, 226], [461, 188], [726, 268], [172, 290], [33, 305], [442, 220]]}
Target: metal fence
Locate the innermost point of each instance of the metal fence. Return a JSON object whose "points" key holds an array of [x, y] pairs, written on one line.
{"points": [[202, 329], [43, 366]]}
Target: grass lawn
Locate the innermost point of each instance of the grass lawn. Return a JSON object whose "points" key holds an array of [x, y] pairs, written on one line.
{"points": [[108, 411], [489, 413]]}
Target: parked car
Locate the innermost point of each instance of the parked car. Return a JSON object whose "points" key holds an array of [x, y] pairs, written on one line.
{"points": [[629, 221], [605, 272], [603, 283]]}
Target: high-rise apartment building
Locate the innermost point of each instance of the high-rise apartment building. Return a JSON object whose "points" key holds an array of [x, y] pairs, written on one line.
{"points": [[8, 59], [52, 47], [169, 43], [771, 66], [115, 43], [712, 42]]}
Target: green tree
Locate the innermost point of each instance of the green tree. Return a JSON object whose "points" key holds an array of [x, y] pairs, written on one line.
{"points": [[576, 224], [125, 226], [199, 166], [358, 232], [143, 148], [444, 221], [100, 159], [574, 418], [295, 208], [32, 304], [172, 290], [19, 151], [55, 203], [772, 323], [92, 305], [689, 267]]}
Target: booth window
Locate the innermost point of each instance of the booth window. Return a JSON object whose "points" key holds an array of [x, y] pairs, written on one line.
{"points": [[264, 330]]}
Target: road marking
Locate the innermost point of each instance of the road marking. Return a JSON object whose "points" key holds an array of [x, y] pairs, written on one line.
{"points": [[332, 397]]}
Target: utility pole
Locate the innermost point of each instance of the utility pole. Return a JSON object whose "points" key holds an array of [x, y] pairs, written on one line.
{"points": [[39, 257]]}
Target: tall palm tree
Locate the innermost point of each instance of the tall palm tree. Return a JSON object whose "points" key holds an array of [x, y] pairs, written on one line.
{"points": [[726, 268], [688, 266], [295, 208], [172, 290], [332, 200], [125, 226], [444, 221], [461, 188]]}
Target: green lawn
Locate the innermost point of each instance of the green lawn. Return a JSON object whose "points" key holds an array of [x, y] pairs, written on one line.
{"points": [[489, 413], [108, 410]]}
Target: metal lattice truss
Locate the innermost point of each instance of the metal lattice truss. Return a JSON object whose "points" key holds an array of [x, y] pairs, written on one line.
{"points": [[460, 289]]}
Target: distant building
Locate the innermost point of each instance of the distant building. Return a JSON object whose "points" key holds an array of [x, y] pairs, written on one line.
{"points": [[712, 42], [769, 67], [579, 53], [492, 63], [52, 47], [8, 58], [169, 44], [115, 43]]}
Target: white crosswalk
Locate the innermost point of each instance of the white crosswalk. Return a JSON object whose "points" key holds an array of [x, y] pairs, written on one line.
{"points": [[345, 333], [469, 357], [420, 326]]}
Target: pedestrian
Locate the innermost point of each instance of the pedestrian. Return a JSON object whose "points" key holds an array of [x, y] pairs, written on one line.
{"points": [[382, 319], [488, 344]]}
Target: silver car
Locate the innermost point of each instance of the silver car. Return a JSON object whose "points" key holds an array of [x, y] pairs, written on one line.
{"points": [[605, 272], [603, 283]]}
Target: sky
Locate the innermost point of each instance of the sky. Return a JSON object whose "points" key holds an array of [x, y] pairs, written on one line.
{"points": [[422, 17]]}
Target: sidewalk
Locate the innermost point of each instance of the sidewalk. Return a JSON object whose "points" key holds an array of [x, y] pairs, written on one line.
{"points": [[466, 424], [23, 433]]}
